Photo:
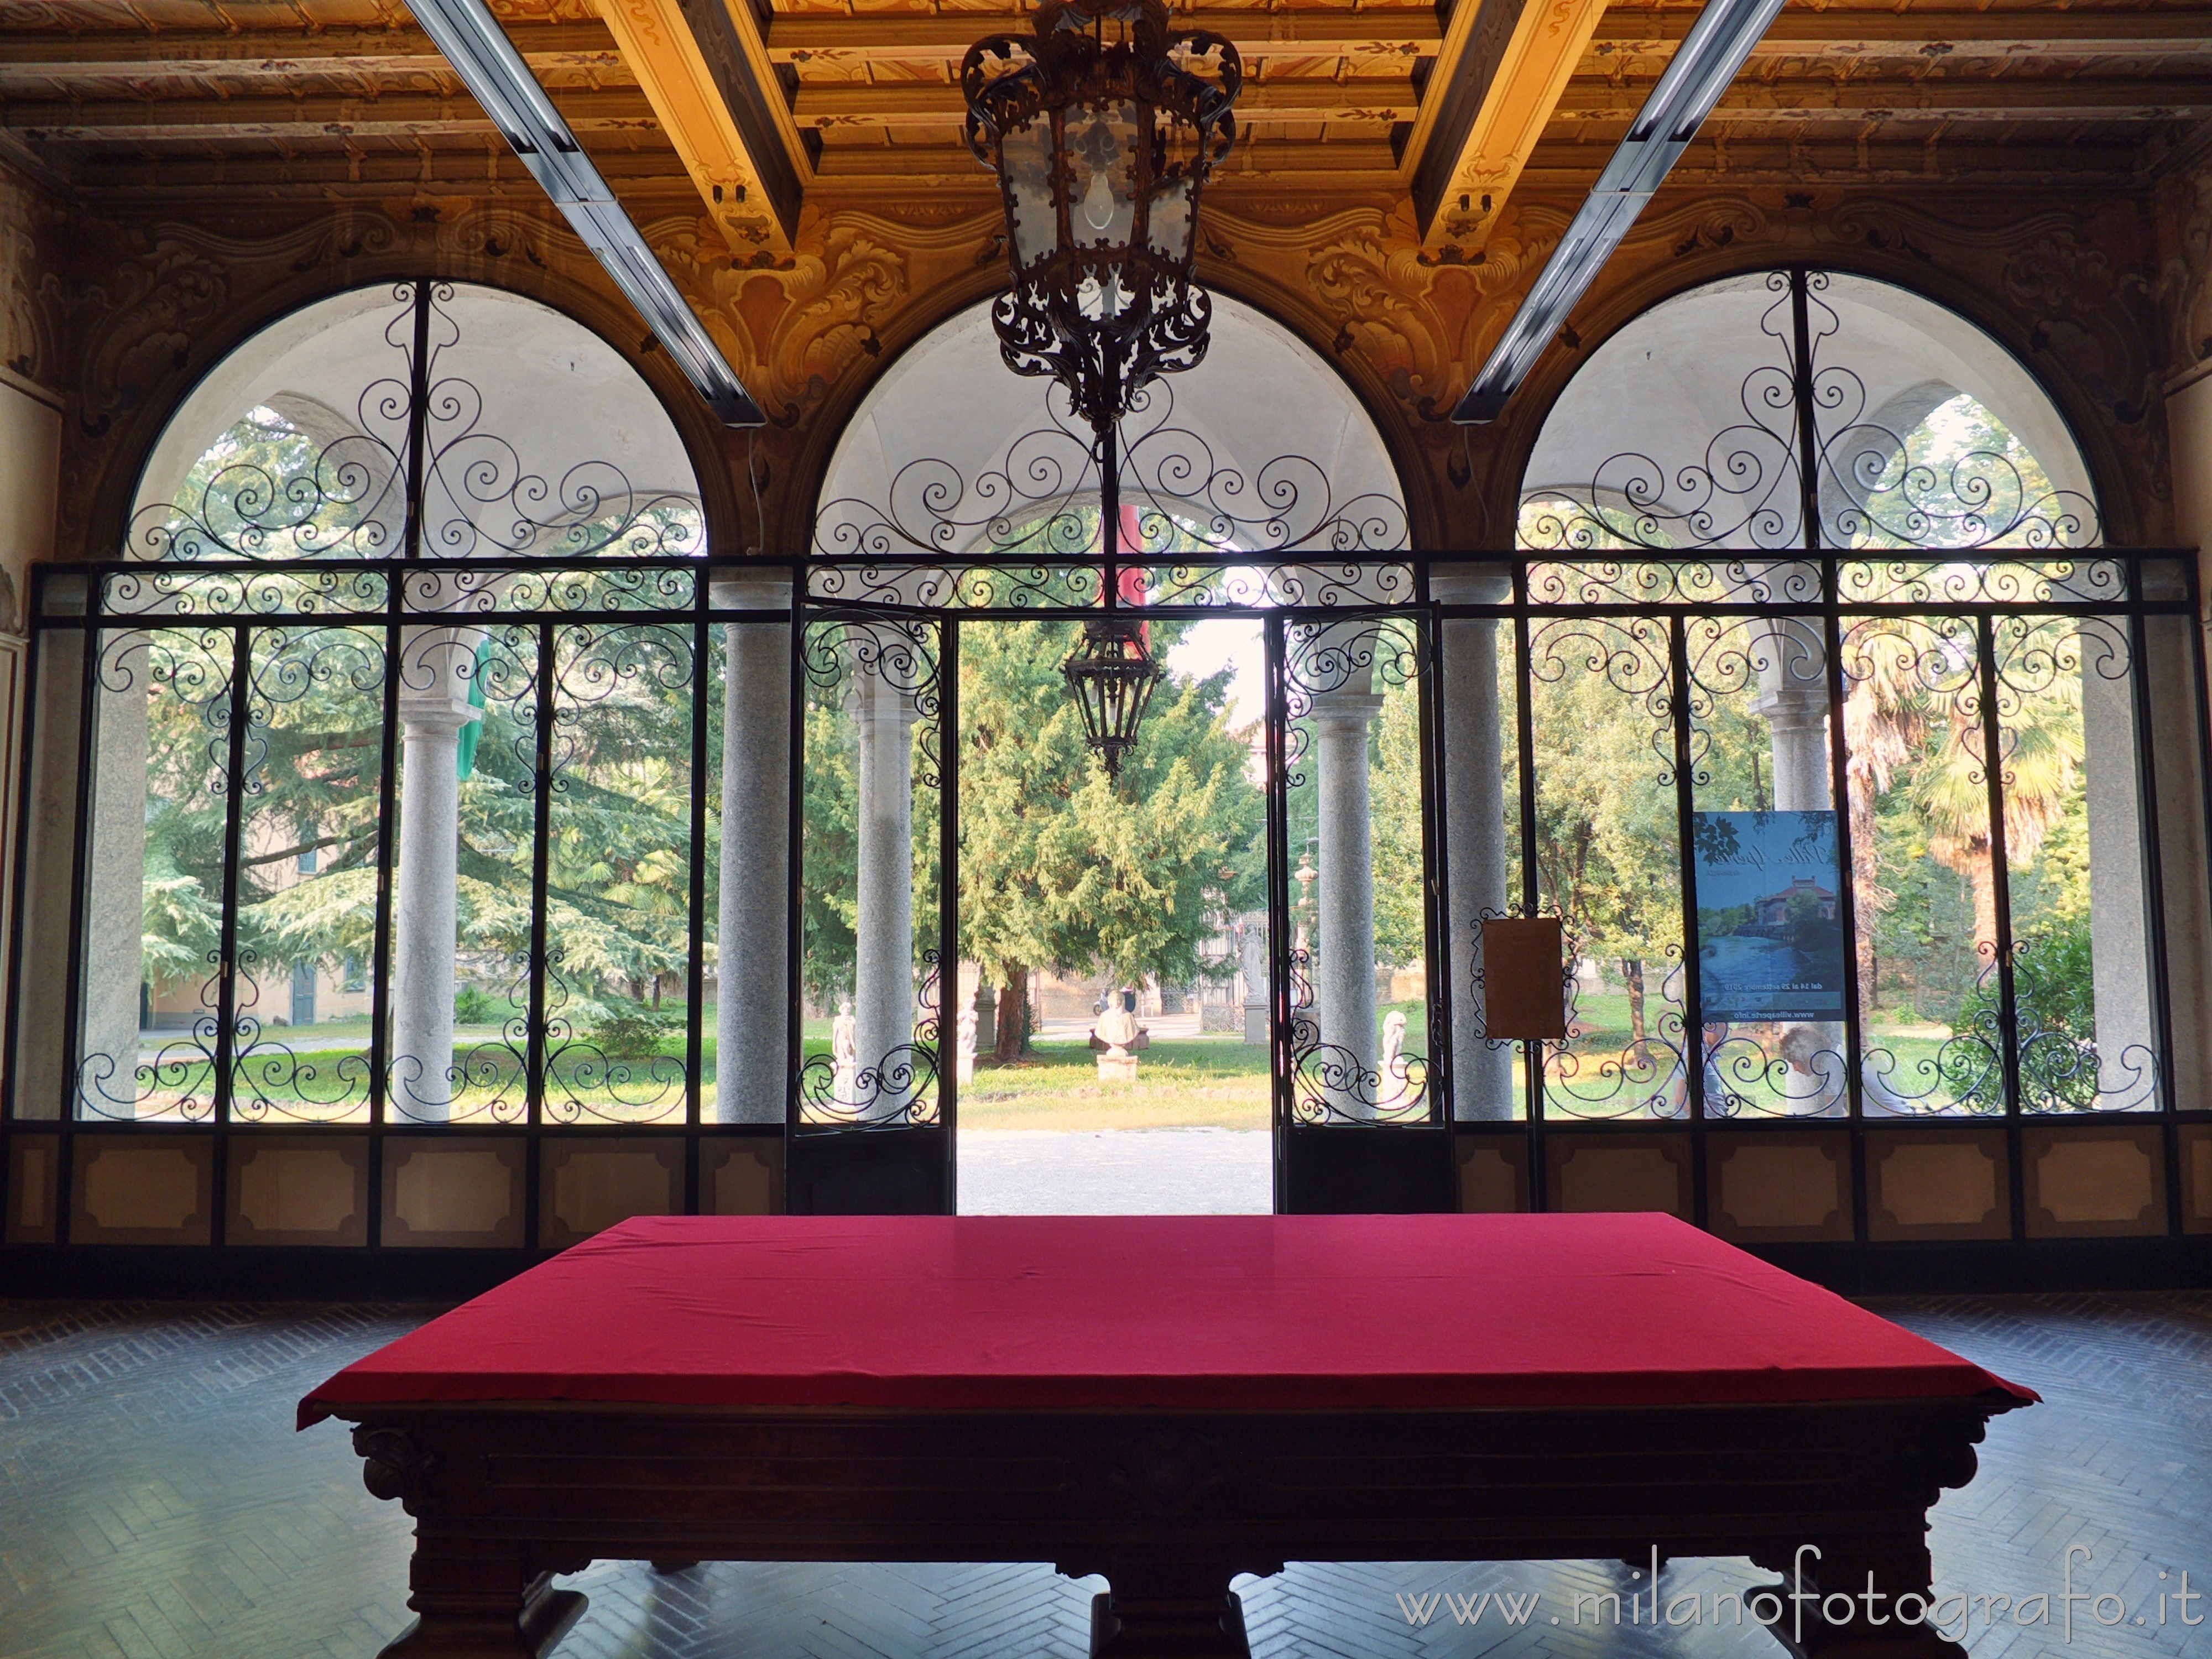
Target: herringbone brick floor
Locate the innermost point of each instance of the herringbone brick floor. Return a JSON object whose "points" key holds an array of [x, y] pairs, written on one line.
{"points": [[154, 1504]]}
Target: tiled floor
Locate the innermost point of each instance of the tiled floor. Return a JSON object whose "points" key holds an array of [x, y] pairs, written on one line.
{"points": [[154, 1501]]}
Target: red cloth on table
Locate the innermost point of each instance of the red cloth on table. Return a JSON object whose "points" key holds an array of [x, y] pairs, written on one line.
{"points": [[1171, 1312]]}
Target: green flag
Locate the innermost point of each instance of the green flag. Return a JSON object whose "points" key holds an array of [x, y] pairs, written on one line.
{"points": [[464, 748]]}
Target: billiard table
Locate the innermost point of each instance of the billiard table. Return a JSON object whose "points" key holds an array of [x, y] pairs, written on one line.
{"points": [[1168, 1402]]}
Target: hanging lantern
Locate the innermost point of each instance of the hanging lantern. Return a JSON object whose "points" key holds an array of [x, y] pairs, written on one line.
{"points": [[1113, 676], [1101, 130]]}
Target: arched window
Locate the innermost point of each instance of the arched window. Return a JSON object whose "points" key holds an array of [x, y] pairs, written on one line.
{"points": [[1840, 726], [1702, 423], [514, 431], [469, 627]]}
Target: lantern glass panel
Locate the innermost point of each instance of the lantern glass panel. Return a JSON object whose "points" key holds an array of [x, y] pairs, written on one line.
{"points": [[1169, 227], [1102, 150], [1026, 153]]}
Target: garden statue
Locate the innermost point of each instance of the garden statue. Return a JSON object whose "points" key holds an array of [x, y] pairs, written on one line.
{"points": [[964, 1055], [1118, 1039], [845, 1052]]}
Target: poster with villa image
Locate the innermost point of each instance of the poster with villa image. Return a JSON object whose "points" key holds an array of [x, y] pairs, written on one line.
{"points": [[1770, 916]]}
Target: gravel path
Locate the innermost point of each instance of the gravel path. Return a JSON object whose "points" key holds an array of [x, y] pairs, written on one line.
{"points": [[1116, 1172]]}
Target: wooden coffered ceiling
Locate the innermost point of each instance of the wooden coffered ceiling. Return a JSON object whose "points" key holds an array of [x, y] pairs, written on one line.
{"points": [[756, 107]]}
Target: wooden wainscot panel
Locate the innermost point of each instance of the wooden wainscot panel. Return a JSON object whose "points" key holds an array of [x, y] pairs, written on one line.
{"points": [[34, 1166], [1628, 1170], [1778, 1187], [1493, 1174], [2108, 1181], [1937, 1184], [741, 1176], [298, 1189], [142, 1189], [587, 1186], [453, 1191], [2196, 1177]]}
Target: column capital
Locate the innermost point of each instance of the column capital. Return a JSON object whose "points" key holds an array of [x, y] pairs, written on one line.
{"points": [[1488, 583], [436, 717], [1349, 707], [729, 589]]}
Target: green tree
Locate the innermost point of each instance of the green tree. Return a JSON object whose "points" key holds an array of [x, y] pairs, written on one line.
{"points": [[1060, 867]]}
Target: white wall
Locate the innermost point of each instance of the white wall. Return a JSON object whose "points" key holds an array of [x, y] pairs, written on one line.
{"points": [[2188, 426], [30, 462], [30, 465]]}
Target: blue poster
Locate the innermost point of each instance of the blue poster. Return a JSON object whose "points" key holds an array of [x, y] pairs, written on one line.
{"points": [[1770, 916]]}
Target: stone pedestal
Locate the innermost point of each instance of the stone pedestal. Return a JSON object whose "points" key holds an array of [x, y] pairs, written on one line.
{"points": [[1252, 975], [424, 908], [752, 1002], [1117, 1068], [987, 1019], [1473, 827]]}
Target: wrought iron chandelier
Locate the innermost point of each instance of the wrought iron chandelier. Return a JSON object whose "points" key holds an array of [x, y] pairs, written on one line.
{"points": [[1103, 129]]}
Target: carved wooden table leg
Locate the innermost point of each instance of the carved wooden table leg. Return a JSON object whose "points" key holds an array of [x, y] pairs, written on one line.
{"points": [[1168, 1610], [1843, 1603], [478, 1599]]}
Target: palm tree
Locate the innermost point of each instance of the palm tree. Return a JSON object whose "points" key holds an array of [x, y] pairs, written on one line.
{"points": [[2040, 749], [1881, 731]]}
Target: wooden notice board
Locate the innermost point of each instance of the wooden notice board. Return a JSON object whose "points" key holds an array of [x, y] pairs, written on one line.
{"points": [[1523, 979]]}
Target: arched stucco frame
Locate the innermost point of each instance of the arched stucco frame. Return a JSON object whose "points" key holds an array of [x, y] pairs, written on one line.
{"points": [[714, 454], [798, 501], [1617, 308]]}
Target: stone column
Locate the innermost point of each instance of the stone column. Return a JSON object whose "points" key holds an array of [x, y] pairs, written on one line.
{"points": [[1474, 828], [106, 1084], [752, 1003], [1344, 971], [1792, 698], [434, 706], [2119, 941], [883, 966]]}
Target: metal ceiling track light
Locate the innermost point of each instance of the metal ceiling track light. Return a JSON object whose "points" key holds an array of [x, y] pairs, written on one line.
{"points": [[497, 78], [1703, 65], [1103, 127]]}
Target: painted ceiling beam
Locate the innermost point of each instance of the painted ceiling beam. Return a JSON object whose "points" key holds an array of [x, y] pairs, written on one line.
{"points": [[497, 78], [113, 54], [722, 114], [1927, 98], [1383, 98], [1841, 31], [876, 37], [1502, 66], [1411, 31], [326, 117], [1715, 50]]}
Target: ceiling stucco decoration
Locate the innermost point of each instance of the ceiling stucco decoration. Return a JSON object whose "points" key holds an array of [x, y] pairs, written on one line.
{"points": [[29, 294], [2184, 217]]}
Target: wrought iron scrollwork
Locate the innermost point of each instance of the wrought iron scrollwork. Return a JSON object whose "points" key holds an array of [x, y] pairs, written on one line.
{"points": [[342, 490], [1876, 483], [1037, 504], [1345, 667]]}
